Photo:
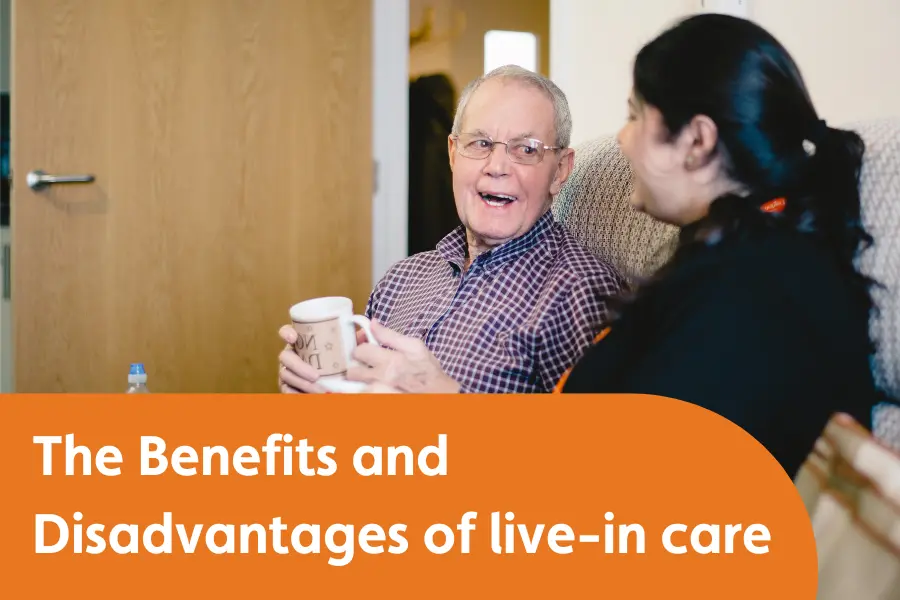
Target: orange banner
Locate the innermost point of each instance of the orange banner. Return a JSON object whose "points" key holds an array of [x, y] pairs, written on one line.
{"points": [[212, 496]]}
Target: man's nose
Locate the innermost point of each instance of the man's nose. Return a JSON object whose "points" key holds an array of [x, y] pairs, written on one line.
{"points": [[497, 163]]}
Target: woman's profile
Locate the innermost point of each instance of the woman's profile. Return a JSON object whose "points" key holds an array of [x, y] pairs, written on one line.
{"points": [[761, 314]]}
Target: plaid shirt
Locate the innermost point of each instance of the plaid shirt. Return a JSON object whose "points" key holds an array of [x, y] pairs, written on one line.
{"points": [[520, 316]]}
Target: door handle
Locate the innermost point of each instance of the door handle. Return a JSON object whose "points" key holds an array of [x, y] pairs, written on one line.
{"points": [[38, 179]]}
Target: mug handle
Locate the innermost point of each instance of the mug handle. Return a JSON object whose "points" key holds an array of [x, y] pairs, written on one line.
{"points": [[365, 325]]}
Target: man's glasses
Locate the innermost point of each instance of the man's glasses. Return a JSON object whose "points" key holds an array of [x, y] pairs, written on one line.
{"points": [[525, 151]]}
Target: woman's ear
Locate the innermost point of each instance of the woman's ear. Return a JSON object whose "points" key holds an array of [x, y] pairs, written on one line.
{"points": [[700, 137]]}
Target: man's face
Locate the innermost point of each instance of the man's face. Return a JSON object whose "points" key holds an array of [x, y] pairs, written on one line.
{"points": [[498, 199]]}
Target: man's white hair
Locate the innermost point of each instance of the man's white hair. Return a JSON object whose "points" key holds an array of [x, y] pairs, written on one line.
{"points": [[562, 117]]}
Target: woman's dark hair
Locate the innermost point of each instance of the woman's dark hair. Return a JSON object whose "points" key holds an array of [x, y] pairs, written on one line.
{"points": [[771, 139]]}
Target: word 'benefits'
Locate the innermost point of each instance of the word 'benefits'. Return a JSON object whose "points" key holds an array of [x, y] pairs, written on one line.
{"points": [[301, 458]]}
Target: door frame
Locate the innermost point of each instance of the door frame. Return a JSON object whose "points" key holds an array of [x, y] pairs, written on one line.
{"points": [[390, 133], [6, 341]]}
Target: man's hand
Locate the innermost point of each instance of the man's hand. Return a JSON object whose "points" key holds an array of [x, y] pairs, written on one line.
{"points": [[406, 365], [295, 376]]}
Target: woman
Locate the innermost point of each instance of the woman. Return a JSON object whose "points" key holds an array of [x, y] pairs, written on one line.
{"points": [[760, 315]]}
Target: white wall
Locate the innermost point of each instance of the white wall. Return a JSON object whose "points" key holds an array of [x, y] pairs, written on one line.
{"points": [[4, 45], [847, 50]]}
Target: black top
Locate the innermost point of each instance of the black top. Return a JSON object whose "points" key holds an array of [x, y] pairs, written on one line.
{"points": [[765, 332]]}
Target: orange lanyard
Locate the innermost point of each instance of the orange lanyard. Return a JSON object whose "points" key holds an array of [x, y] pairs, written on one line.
{"points": [[774, 206], [562, 381]]}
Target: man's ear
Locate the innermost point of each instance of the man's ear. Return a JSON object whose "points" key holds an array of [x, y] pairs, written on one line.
{"points": [[564, 167], [451, 147], [700, 137]]}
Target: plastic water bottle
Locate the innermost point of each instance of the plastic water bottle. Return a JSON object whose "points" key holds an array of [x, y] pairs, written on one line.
{"points": [[137, 380]]}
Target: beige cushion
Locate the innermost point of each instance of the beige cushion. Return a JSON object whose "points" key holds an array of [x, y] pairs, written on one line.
{"points": [[881, 215], [594, 206]]}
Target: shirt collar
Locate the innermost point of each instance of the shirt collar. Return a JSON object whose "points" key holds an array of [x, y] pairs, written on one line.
{"points": [[453, 247]]}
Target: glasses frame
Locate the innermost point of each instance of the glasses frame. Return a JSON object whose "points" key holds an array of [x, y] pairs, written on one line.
{"points": [[540, 145]]}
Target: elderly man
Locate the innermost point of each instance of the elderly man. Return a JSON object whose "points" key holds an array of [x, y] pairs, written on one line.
{"points": [[509, 300]]}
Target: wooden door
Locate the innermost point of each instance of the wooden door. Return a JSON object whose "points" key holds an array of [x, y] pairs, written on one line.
{"points": [[230, 142]]}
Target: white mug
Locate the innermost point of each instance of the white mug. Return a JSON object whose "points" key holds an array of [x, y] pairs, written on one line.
{"points": [[326, 338]]}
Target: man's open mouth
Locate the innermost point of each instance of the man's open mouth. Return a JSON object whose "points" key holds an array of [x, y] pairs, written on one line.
{"points": [[497, 199]]}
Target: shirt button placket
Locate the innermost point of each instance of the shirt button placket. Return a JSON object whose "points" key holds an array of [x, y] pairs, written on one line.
{"points": [[468, 283]]}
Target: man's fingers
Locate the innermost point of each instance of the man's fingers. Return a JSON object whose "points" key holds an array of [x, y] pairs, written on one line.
{"points": [[371, 355], [298, 383], [363, 374], [297, 365], [286, 389], [298, 374], [288, 334], [397, 341]]}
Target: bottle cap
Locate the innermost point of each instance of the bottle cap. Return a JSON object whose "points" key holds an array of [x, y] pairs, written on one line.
{"points": [[136, 373]]}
